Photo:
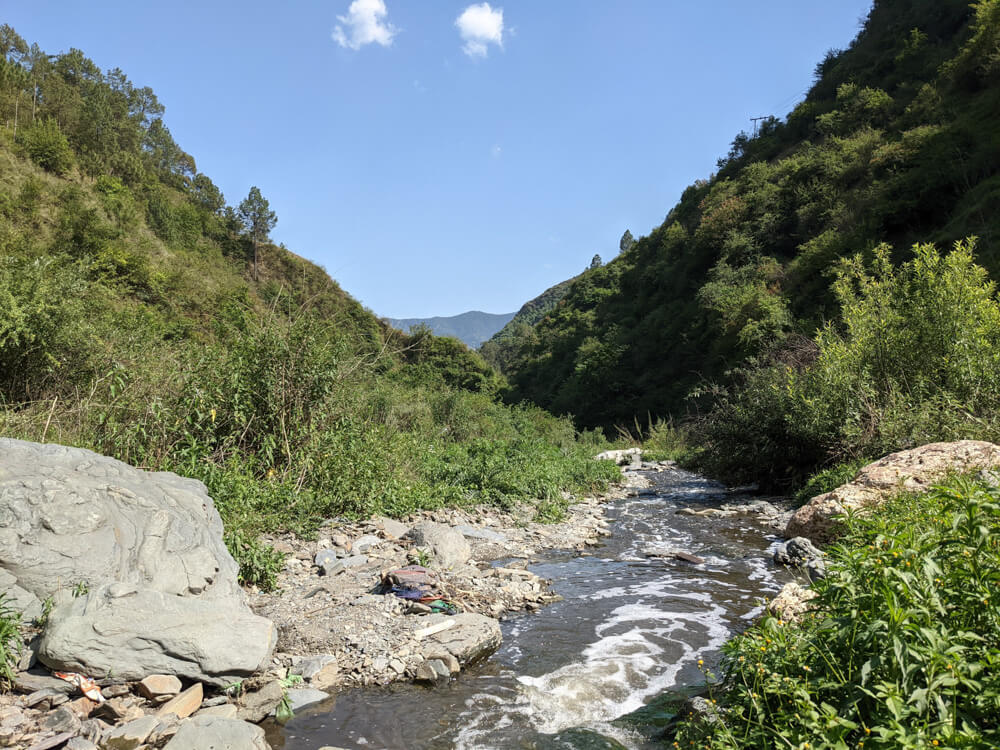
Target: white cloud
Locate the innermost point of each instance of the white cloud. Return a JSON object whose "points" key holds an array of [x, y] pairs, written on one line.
{"points": [[480, 26], [364, 23], [496, 151]]}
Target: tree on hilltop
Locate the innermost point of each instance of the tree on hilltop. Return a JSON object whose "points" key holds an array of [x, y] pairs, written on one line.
{"points": [[258, 220]]}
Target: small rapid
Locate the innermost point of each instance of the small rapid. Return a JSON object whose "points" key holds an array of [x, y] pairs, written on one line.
{"points": [[631, 626]]}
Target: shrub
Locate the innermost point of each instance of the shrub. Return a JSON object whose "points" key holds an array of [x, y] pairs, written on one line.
{"points": [[45, 144], [41, 327], [915, 359], [902, 647], [259, 563]]}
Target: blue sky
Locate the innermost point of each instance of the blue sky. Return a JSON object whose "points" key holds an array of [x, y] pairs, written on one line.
{"points": [[444, 156]]}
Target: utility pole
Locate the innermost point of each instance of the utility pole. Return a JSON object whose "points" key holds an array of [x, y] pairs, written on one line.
{"points": [[754, 121]]}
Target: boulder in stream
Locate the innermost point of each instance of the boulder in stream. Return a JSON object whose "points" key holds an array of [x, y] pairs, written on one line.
{"points": [[471, 637]]}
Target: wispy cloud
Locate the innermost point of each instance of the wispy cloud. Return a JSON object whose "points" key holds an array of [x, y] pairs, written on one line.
{"points": [[364, 23], [480, 26], [496, 151]]}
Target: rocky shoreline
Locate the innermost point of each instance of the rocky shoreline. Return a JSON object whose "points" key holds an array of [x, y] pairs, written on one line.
{"points": [[327, 612], [326, 628]]}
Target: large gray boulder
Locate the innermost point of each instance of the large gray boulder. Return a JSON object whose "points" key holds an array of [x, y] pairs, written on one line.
{"points": [[447, 546], [69, 516], [148, 546], [130, 632]]}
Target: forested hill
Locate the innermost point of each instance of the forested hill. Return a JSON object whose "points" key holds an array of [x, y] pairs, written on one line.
{"points": [[897, 141], [471, 328], [503, 348]]}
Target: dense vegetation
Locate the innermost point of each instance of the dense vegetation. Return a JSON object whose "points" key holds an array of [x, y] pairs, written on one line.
{"points": [[505, 346], [896, 142], [900, 649], [143, 317]]}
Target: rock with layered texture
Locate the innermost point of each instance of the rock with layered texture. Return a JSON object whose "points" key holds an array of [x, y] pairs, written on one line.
{"points": [[163, 592], [130, 632], [911, 470]]}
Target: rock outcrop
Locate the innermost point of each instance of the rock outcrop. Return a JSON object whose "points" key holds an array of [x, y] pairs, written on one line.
{"points": [[157, 588], [910, 470]]}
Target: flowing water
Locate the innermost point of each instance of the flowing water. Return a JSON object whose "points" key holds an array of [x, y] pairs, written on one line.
{"points": [[630, 627]]}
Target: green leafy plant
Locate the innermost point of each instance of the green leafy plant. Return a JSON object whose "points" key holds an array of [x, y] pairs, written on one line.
{"points": [[284, 713], [900, 649], [10, 641], [234, 688], [43, 619], [916, 359], [259, 563], [46, 145]]}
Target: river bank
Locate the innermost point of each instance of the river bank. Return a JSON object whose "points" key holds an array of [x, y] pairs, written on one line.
{"points": [[327, 610], [687, 563]]}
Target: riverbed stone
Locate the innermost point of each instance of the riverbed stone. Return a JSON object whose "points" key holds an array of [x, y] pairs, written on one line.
{"points": [[129, 736], [391, 528], [217, 733], [801, 553], [342, 564], [309, 667], [622, 457], [447, 546], [432, 670], [472, 638], [792, 602], [365, 543], [327, 558], [913, 470], [155, 685], [301, 698], [487, 535], [258, 705], [184, 704]]}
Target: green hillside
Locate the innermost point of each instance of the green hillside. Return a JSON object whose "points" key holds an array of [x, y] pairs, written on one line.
{"points": [[143, 316], [897, 141], [503, 349]]}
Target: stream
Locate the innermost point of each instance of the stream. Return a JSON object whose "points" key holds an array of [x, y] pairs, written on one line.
{"points": [[591, 670]]}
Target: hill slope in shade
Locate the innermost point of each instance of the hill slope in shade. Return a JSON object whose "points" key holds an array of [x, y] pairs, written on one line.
{"points": [[504, 347], [471, 328]]}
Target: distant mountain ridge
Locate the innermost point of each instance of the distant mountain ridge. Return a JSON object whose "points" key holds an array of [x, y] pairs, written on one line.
{"points": [[471, 328]]}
